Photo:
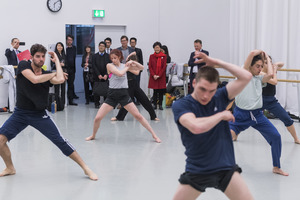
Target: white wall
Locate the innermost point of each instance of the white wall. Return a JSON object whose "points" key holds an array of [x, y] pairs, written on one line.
{"points": [[175, 23]]}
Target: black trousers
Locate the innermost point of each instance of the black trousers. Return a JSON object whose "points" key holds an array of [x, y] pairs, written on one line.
{"points": [[60, 93], [71, 79], [86, 85], [97, 98], [135, 91], [158, 94]]}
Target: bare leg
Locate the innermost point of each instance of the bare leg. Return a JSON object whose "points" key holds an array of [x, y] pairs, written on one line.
{"points": [[279, 171], [6, 156], [75, 156], [234, 136], [237, 188], [186, 192], [292, 130], [103, 110], [137, 115]]}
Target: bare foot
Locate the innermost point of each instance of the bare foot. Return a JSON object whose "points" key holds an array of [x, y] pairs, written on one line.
{"points": [[157, 139], [90, 138], [113, 119], [7, 172], [156, 119], [297, 141], [279, 171], [91, 174]]}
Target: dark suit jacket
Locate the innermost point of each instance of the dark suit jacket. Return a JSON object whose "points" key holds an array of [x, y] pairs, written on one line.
{"points": [[192, 64], [11, 57], [98, 68], [139, 55]]}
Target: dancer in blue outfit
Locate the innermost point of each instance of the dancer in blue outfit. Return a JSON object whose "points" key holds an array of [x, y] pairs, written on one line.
{"points": [[202, 120], [249, 104]]}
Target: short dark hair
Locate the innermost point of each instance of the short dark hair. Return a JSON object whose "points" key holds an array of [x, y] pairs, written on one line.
{"points": [[102, 43], [255, 59], [165, 48], [208, 73], [71, 36], [132, 57], [133, 38], [37, 48], [118, 53], [198, 41], [108, 38], [12, 40], [156, 44], [124, 36]]}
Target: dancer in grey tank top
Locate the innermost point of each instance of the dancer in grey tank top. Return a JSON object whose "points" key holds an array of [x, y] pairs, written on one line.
{"points": [[118, 93]]}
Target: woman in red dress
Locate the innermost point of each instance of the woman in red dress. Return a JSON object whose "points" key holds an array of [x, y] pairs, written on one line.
{"points": [[157, 68]]}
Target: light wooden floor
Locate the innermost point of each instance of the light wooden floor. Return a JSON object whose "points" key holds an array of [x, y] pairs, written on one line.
{"points": [[130, 165]]}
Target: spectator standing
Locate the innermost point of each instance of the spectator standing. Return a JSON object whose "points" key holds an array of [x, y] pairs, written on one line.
{"points": [[194, 66], [157, 69], [86, 64], [70, 61]]}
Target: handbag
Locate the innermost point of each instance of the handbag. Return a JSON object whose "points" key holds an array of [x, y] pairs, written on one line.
{"points": [[100, 88]]}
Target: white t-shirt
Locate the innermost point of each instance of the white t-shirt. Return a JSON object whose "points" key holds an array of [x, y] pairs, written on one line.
{"points": [[251, 96]]}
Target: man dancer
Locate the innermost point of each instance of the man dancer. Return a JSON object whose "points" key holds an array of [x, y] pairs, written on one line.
{"points": [[202, 120], [248, 110], [32, 99]]}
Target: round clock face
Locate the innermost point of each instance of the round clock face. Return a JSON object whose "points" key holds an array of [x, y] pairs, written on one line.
{"points": [[54, 5]]}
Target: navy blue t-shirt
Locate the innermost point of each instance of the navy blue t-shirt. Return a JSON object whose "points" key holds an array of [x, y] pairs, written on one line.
{"points": [[211, 151]]}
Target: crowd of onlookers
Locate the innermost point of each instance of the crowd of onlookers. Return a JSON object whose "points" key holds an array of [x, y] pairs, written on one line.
{"points": [[95, 72]]}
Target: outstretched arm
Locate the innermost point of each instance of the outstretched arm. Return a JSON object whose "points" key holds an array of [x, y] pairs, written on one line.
{"points": [[203, 124], [234, 87]]}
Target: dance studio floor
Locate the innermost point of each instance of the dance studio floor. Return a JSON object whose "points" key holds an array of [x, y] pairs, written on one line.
{"points": [[130, 165]]}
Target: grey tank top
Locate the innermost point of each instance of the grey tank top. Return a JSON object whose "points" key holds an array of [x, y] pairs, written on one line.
{"points": [[117, 82]]}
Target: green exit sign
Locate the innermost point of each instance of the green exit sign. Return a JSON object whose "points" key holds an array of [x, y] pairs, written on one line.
{"points": [[99, 13]]}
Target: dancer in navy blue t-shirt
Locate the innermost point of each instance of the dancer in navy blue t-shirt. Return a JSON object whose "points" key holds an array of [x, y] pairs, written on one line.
{"points": [[202, 120]]}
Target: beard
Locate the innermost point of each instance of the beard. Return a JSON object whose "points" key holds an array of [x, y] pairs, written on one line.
{"points": [[38, 64]]}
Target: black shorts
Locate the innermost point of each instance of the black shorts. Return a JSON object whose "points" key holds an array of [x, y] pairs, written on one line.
{"points": [[115, 96], [218, 180]]}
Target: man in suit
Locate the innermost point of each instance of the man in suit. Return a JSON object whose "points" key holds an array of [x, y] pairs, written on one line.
{"points": [[108, 44], [125, 49], [193, 65], [99, 62], [11, 53], [71, 69]]}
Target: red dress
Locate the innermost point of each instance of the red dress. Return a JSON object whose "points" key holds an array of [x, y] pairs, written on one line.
{"points": [[159, 83]]}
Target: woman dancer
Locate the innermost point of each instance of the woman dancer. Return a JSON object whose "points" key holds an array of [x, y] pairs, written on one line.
{"points": [[134, 90], [271, 103], [118, 93]]}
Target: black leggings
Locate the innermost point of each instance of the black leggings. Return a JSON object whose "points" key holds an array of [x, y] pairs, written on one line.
{"points": [[135, 91]]}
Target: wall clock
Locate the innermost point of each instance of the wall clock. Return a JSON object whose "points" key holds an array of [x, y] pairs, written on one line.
{"points": [[54, 5]]}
